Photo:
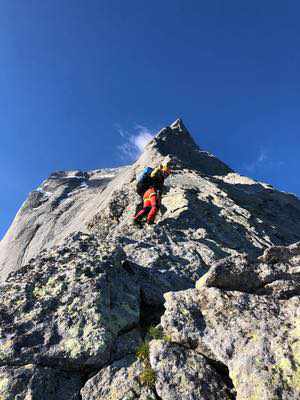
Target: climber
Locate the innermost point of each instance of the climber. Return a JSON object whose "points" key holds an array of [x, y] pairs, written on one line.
{"points": [[152, 195]]}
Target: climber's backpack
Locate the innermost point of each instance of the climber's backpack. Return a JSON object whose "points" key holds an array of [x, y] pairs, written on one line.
{"points": [[143, 180]]}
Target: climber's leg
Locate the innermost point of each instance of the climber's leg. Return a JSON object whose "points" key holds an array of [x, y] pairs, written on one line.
{"points": [[153, 210], [145, 210], [140, 214]]}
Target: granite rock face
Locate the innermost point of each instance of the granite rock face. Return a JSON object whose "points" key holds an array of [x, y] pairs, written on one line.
{"points": [[249, 323], [118, 381], [219, 270], [32, 382], [183, 374], [57, 208], [68, 306]]}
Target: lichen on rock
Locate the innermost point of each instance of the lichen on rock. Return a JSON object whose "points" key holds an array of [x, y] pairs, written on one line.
{"points": [[242, 324], [68, 306]]}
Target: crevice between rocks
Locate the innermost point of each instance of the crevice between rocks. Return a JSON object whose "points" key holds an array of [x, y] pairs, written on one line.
{"points": [[150, 315]]}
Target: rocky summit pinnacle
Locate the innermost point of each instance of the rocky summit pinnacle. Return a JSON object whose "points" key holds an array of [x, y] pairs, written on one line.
{"points": [[204, 304], [175, 142]]}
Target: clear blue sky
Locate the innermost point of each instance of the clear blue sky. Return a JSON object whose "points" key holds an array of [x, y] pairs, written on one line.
{"points": [[75, 74]]}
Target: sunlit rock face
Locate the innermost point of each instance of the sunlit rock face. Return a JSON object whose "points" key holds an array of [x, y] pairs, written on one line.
{"points": [[81, 285], [245, 314]]}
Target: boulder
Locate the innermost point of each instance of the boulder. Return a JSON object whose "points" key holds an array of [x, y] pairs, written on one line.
{"points": [[251, 329], [118, 381], [182, 374], [68, 306]]}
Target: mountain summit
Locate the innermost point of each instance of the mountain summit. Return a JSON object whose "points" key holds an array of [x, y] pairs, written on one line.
{"points": [[175, 142], [217, 274]]}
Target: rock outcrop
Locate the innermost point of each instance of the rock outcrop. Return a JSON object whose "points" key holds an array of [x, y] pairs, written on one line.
{"points": [[219, 271], [184, 374], [249, 323], [67, 308]]}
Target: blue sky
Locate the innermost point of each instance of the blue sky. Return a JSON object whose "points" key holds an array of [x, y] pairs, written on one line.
{"points": [[83, 81]]}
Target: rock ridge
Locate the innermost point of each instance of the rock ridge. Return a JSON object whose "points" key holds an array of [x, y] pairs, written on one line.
{"points": [[204, 304]]}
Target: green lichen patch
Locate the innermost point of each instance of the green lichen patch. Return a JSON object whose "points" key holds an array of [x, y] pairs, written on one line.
{"points": [[76, 300]]}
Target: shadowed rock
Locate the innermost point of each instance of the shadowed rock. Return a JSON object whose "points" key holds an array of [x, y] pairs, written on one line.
{"points": [[31, 382]]}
